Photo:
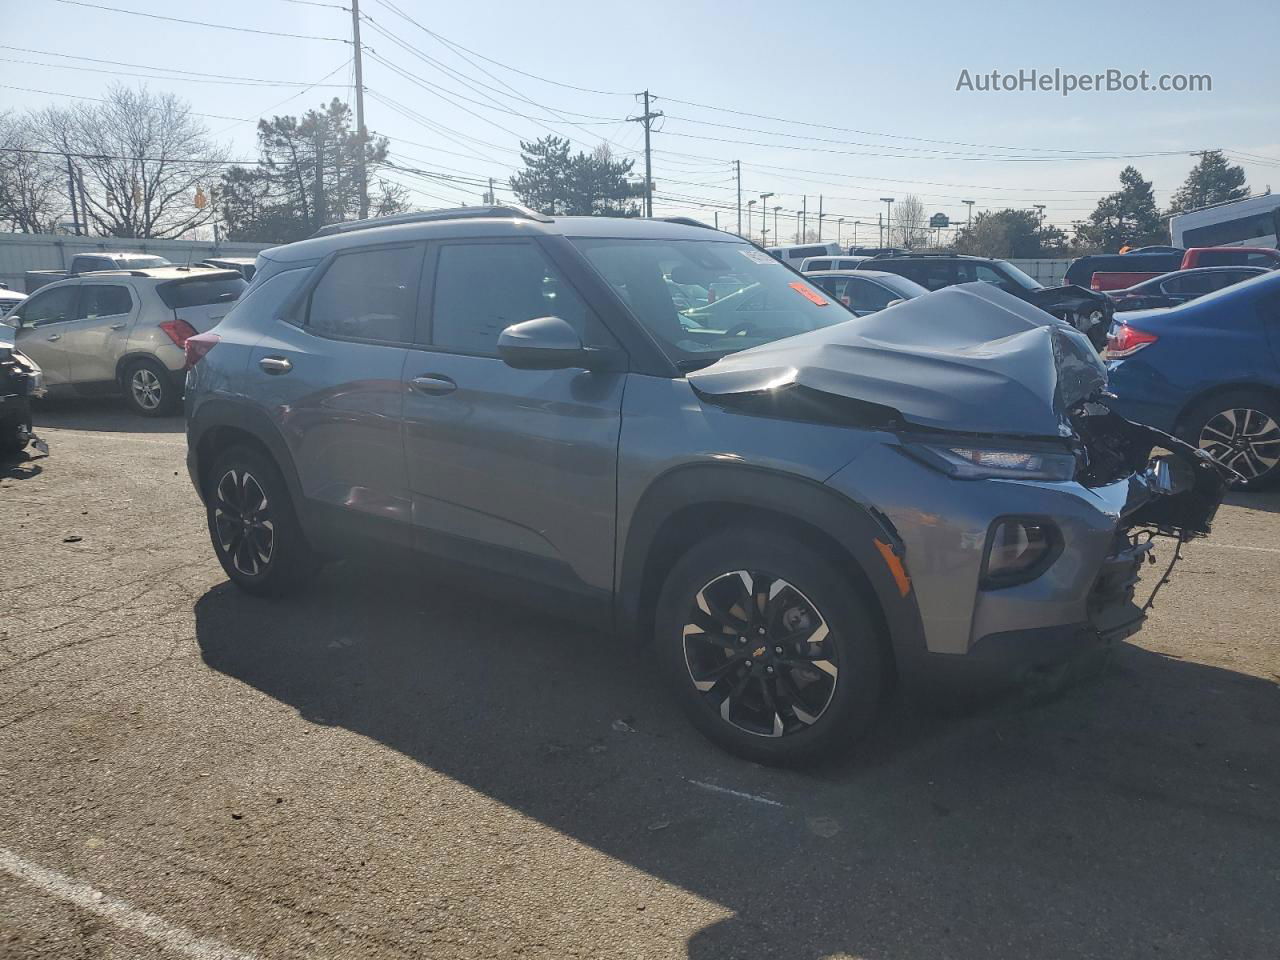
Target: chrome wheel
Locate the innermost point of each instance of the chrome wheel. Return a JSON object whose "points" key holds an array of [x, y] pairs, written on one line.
{"points": [[760, 654], [147, 390], [1246, 440], [242, 522]]}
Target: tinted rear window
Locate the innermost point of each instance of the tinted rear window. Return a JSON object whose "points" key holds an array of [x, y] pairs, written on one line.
{"points": [[199, 292]]}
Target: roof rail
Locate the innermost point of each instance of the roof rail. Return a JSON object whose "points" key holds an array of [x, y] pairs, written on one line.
{"points": [[426, 216], [687, 221]]}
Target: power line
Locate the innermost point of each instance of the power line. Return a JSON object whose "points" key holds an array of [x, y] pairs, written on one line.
{"points": [[201, 23], [207, 78], [77, 96], [145, 66]]}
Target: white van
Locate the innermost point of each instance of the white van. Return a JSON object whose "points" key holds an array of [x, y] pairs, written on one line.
{"points": [[796, 254], [830, 263]]}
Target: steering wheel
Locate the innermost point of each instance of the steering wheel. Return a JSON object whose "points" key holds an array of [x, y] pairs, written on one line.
{"points": [[740, 329]]}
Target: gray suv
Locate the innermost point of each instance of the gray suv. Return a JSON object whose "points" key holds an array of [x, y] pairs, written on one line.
{"points": [[661, 428]]}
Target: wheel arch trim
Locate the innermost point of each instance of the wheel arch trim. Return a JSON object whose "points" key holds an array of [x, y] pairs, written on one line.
{"points": [[223, 414]]}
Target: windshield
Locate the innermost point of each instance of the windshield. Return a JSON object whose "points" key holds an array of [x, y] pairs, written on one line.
{"points": [[703, 299], [1020, 278]]}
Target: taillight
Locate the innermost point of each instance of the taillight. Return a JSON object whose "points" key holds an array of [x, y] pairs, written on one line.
{"points": [[1125, 341], [179, 331], [197, 345]]}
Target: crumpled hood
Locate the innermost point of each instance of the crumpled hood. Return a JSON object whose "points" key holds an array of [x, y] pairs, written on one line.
{"points": [[968, 358]]}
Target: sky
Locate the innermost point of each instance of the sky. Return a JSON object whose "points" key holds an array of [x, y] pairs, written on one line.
{"points": [[853, 102]]}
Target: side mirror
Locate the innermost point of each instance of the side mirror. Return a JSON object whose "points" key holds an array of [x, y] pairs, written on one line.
{"points": [[544, 343]]}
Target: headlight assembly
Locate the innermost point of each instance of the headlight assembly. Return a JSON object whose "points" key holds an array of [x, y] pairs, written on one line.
{"points": [[983, 462]]}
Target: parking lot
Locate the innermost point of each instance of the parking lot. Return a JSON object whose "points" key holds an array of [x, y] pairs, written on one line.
{"points": [[388, 767]]}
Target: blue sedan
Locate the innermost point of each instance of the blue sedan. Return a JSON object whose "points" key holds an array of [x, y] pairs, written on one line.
{"points": [[1209, 372]]}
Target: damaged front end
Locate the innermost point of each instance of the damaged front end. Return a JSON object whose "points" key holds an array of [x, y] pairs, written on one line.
{"points": [[978, 384], [21, 380]]}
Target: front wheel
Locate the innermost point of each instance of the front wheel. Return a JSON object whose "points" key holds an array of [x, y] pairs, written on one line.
{"points": [[1242, 430], [15, 434], [768, 648]]}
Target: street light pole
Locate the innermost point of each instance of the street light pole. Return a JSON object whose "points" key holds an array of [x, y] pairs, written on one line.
{"points": [[839, 228], [764, 214], [969, 204], [1039, 208], [775, 223], [750, 204], [888, 221]]}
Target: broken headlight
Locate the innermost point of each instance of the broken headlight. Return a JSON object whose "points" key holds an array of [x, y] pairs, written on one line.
{"points": [[1019, 549], [971, 462]]}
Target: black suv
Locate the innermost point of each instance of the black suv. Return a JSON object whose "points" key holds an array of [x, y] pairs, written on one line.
{"points": [[1085, 310]]}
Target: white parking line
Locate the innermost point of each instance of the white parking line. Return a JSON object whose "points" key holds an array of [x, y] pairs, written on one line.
{"points": [[168, 935], [734, 793]]}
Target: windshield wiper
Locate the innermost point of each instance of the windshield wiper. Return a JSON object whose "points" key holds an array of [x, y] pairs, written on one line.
{"points": [[695, 363]]}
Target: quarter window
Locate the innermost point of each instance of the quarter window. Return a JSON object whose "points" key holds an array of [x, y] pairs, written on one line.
{"points": [[103, 301], [368, 295], [483, 288]]}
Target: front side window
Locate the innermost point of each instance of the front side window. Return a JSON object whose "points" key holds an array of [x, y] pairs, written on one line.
{"points": [[868, 295], [103, 301], [750, 299], [49, 306], [483, 288], [368, 295]]}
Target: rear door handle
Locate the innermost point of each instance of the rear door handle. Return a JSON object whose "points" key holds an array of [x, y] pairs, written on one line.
{"points": [[275, 365], [433, 384]]}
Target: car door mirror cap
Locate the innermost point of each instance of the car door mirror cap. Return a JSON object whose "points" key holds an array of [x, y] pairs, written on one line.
{"points": [[544, 343]]}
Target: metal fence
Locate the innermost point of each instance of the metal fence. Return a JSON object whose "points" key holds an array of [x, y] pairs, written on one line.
{"points": [[20, 252], [1049, 272]]}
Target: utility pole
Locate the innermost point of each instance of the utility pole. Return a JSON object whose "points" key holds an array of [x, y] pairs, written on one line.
{"points": [[819, 218], [647, 119], [360, 166], [737, 165], [888, 221], [493, 197], [804, 219], [84, 199], [71, 190], [969, 204], [775, 224], [764, 218]]}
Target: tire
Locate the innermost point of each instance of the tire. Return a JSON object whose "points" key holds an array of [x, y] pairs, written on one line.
{"points": [[823, 693], [1242, 429], [270, 556], [150, 389], [14, 436]]}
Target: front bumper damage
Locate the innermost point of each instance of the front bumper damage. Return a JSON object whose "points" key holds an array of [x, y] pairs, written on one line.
{"points": [[974, 362]]}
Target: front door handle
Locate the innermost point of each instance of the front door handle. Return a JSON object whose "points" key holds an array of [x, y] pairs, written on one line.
{"points": [[55, 336], [433, 384], [275, 365], [118, 326]]}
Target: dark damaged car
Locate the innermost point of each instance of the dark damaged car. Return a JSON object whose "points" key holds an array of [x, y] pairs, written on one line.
{"points": [[790, 508], [21, 381]]}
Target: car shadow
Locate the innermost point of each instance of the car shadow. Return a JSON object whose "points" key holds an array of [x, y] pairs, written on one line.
{"points": [[21, 466], [1131, 815], [100, 414], [1266, 501]]}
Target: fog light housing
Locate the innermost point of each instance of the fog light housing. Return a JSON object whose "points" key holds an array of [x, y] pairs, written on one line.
{"points": [[1019, 549]]}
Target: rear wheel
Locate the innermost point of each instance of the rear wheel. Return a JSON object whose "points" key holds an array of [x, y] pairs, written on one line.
{"points": [[15, 434], [768, 649], [1242, 430], [253, 526], [149, 388]]}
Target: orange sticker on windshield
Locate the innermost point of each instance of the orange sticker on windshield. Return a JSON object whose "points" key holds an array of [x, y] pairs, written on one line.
{"points": [[809, 293]]}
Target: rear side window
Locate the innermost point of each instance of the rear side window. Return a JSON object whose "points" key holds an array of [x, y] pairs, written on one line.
{"points": [[483, 288], [87, 264], [198, 292], [818, 265], [368, 295], [100, 300]]}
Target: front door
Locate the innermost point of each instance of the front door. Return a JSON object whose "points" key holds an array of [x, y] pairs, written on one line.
{"points": [[45, 316], [330, 378], [506, 466], [96, 338]]}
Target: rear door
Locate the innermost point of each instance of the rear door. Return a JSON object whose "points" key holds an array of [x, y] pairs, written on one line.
{"points": [[330, 379], [96, 338], [510, 469], [45, 317]]}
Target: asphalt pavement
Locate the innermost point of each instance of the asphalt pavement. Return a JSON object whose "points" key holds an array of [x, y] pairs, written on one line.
{"points": [[386, 766]]}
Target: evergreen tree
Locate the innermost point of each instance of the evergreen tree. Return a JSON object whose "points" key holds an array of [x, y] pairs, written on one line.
{"points": [[555, 182], [1128, 216], [1211, 180]]}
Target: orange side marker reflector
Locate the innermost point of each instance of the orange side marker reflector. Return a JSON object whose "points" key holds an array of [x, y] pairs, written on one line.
{"points": [[811, 295], [895, 567]]}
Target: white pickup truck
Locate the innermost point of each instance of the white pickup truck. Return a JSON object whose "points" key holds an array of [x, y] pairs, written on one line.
{"points": [[90, 262]]}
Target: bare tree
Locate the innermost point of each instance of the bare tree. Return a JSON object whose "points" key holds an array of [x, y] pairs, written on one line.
{"points": [[32, 185], [143, 155], [910, 227]]}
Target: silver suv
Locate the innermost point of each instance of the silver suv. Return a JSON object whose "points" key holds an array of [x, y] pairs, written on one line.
{"points": [[668, 431], [122, 331]]}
